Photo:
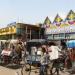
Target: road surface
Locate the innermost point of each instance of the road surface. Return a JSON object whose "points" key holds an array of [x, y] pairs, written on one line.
{"points": [[10, 71]]}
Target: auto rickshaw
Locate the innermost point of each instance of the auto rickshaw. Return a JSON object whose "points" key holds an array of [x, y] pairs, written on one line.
{"points": [[32, 49], [33, 58]]}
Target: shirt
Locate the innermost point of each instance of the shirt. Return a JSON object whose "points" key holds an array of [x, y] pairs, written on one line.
{"points": [[39, 51], [54, 53], [44, 59]]}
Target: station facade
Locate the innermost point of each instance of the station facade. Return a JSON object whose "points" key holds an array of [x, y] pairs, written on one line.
{"points": [[60, 29], [19, 30], [57, 30]]}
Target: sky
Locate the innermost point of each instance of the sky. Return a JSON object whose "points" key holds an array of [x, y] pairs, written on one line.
{"points": [[33, 11]]}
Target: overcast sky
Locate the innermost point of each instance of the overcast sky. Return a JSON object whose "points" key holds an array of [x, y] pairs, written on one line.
{"points": [[33, 11]]}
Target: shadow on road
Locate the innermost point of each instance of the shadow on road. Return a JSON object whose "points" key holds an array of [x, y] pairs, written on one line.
{"points": [[11, 66]]}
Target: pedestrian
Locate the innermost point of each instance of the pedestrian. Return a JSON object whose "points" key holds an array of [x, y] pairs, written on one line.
{"points": [[63, 45], [43, 61], [18, 50], [54, 57]]}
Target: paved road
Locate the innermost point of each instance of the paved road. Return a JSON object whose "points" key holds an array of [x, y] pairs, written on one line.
{"points": [[9, 71], [37, 73]]}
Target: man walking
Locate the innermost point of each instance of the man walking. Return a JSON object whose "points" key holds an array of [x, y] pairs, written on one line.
{"points": [[54, 56]]}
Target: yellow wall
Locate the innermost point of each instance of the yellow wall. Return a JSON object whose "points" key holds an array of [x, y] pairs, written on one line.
{"points": [[8, 30]]}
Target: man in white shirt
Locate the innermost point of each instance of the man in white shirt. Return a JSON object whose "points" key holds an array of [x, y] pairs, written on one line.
{"points": [[54, 54], [53, 51]]}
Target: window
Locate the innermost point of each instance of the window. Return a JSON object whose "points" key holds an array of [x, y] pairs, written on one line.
{"points": [[49, 37], [67, 36], [62, 36], [56, 36]]}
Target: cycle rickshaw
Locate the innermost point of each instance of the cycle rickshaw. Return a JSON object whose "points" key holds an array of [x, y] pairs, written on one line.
{"points": [[8, 55]]}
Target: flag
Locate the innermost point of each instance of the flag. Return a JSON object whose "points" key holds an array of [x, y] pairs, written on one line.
{"points": [[57, 21], [70, 16], [47, 22]]}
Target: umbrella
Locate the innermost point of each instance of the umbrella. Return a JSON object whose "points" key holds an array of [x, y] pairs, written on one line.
{"points": [[70, 44]]}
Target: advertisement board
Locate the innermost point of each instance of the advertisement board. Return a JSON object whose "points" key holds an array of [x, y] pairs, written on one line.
{"points": [[8, 30], [57, 30]]}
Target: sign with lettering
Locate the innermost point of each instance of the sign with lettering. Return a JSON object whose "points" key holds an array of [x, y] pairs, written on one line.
{"points": [[8, 30], [64, 29]]}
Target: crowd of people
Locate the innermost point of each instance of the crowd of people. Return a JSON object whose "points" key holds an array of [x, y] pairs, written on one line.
{"points": [[51, 56], [55, 57]]}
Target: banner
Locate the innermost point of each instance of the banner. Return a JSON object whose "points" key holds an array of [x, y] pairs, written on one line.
{"points": [[64, 29]]}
